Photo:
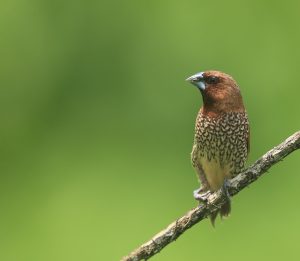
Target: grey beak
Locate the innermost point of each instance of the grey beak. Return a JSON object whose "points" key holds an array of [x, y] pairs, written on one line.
{"points": [[197, 80], [191, 79], [195, 77]]}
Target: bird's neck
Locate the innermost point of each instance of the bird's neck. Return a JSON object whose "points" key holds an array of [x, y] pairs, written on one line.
{"points": [[216, 108]]}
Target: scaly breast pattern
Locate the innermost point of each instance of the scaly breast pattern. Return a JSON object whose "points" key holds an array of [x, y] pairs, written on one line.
{"points": [[222, 145]]}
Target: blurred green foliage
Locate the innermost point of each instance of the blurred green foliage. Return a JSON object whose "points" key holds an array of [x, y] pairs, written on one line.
{"points": [[97, 126]]}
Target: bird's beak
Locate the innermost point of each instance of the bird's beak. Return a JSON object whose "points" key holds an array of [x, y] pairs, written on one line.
{"points": [[197, 80], [191, 79]]}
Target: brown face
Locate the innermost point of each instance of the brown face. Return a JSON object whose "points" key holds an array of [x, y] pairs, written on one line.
{"points": [[220, 92]]}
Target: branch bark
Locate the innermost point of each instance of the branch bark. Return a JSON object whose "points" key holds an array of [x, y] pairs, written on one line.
{"points": [[215, 200]]}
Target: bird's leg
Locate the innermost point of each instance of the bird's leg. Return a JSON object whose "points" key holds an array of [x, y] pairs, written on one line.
{"points": [[225, 189], [203, 192], [226, 207]]}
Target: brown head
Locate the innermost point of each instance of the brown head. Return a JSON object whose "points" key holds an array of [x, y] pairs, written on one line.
{"points": [[220, 92]]}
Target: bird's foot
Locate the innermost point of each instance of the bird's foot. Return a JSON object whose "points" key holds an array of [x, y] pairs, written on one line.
{"points": [[225, 189], [201, 195]]}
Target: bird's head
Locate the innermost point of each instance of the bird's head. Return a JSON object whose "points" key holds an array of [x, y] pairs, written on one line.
{"points": [[219, 90]]}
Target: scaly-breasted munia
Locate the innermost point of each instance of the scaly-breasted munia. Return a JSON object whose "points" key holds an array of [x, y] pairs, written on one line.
{"points": [[221, 142]]}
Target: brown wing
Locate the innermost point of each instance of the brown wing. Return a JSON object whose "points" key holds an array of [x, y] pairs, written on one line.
{"points": [[248, 139]]}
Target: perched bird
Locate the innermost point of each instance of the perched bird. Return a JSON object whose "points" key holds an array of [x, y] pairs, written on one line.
{"points": [[221, 142]]}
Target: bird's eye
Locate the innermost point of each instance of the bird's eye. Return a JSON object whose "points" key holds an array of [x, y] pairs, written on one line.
{"points": [[212, 79]]}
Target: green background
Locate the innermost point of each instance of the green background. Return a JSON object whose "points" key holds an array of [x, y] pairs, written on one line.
{"points": [[97, 126]]}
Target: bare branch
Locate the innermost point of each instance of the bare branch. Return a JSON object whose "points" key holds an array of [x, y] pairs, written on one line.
{"points": [[214, 201]]}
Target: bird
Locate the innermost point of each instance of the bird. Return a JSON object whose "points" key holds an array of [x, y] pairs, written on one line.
{"points": [[222, 136]]}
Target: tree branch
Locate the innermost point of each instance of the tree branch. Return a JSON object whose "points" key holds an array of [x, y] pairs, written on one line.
{"points": [[214, 200]]}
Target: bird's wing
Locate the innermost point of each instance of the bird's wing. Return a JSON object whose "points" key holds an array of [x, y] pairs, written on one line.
{"points": [[248, 139]]}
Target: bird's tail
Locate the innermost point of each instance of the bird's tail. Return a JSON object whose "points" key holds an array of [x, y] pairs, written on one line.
{"points": [[224, 211]]}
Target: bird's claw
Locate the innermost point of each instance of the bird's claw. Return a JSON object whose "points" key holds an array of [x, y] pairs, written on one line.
{"points": [[201, 195]]}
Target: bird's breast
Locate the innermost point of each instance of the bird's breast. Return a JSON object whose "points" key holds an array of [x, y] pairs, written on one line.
{"points": [[222, 146]]}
